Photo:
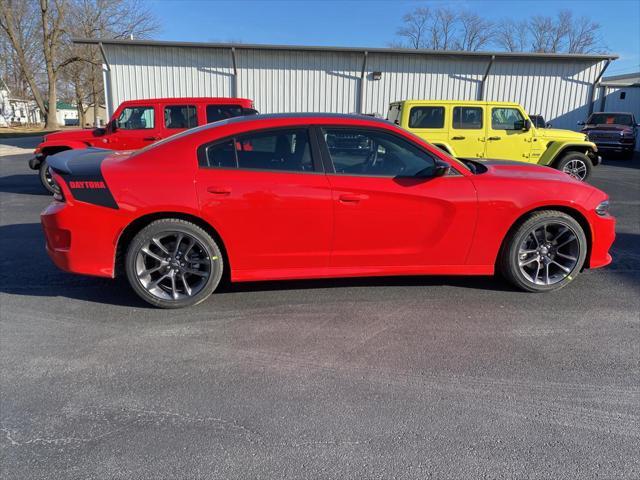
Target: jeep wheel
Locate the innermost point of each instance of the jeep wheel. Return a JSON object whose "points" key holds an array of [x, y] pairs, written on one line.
{"points": [[47, 179], [575, 164]]}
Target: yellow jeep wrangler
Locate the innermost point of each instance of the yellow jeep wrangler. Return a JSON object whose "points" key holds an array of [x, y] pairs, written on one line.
{"points": [[494, 130]]}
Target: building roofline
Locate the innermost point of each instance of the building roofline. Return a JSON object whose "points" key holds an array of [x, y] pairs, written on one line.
{"points": [[314, 48]]}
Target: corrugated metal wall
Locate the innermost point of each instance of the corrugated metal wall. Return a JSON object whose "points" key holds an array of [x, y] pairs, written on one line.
{"points": [[317, 81]]}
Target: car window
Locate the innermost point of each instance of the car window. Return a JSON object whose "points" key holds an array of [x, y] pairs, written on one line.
{"points": [[370, 152], [393, 115], [506, 119], [180, 116], [284, 150], [467, 118], [426, 117], [222, 155], [136, 118], [221, 112], [610, 119]]}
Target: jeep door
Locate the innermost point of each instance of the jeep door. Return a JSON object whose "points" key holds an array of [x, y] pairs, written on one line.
{"points": [[135, 127], [506, 137], [467, 132]]}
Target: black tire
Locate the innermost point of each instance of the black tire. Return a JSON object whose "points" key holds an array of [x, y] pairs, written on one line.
{"points": [[510, 254], [46, 179], [582, 163], [161, 295], [628, 155]]}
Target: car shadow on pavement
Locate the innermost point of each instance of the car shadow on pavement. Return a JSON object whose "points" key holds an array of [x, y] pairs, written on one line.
{"points": [[33, 274], [23, 184], [616, 161]]}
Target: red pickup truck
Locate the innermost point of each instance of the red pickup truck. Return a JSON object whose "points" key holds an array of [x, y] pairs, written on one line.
{"points": [[138, 123]]}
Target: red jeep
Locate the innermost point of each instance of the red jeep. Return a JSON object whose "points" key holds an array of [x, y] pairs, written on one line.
{"points": [[138, 123]]}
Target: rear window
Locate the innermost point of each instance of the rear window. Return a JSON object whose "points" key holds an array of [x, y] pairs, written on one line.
{"points": [[610, 119], [221, 112], [180, 116], [426, 117], [394, 113], [467, 118]]}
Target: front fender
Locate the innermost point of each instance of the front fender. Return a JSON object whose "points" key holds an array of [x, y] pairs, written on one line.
{"points": [[555, 150], [67, 145]]}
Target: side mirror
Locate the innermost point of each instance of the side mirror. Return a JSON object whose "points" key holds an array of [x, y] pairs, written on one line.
{"points": [[548, 125], [581, 123], [440, 169], [527, 125]]}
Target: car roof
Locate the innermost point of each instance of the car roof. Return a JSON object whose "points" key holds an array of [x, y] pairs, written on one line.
{"points": [[456, 102], [304, 117], [213, 100]]}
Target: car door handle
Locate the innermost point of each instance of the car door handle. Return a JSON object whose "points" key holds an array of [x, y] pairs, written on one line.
{"points": [[352, 197], [219, 190], [494, 138], [152, 138], [458, 138]]}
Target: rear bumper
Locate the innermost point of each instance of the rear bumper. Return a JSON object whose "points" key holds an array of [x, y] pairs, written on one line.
{"points": [[602, 237], [79, 239]]}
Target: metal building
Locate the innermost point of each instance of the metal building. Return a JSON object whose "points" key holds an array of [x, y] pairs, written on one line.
{"points": [[278, 78]]}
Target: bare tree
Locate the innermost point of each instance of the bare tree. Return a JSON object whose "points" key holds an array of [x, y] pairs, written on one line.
{"points": [[583, 37], [100, 19], [476, 32], [443, 29], [415, 28], [511, 36]]}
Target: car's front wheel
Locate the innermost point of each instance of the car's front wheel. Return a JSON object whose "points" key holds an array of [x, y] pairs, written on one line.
{"points": [[172, 263], [545, 252], [47, 179], [576, 164]]}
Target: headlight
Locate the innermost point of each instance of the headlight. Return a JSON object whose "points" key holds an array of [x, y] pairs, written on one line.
{"points": [[603, 208]]}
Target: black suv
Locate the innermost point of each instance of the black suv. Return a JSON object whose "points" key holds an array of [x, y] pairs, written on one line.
{"points": [[612, 132]]}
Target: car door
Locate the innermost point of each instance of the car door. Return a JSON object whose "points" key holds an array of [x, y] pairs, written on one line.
{"points": [[269, 199], [507, 138], [388, 219], [135, 127], [467, 132], [428, 122]]}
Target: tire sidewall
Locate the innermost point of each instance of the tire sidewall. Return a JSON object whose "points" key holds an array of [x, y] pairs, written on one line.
{"points": [[42, 172], [523, 232], [168, 226], [576, 156]]}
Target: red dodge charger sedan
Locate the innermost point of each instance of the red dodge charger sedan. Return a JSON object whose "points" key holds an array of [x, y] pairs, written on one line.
{"points": [[290, 196]]}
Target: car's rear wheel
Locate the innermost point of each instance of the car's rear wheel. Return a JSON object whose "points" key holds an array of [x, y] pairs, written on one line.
{"points": [[173, 263], [47, 179], [545, 252], [576, 164]]}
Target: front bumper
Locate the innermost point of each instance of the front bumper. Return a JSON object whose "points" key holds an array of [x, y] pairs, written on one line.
{"points": [[79, 238], [603, 234], [35, 162], [616, 146]]}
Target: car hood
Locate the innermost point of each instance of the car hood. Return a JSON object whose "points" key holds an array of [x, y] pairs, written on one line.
{"points": [[607, 127], [556, 133], [76, 134], [520, 170]]}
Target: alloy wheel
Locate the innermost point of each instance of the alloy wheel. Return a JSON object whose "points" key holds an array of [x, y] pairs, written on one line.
{"points": [[174, 266], [549, 253], [576, 168]]}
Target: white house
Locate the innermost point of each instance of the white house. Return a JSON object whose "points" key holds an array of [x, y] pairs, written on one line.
{"points": [[17, 111]]}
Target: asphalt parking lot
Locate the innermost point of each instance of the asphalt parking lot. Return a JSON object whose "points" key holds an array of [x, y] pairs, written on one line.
{"points": [[384, 378]]}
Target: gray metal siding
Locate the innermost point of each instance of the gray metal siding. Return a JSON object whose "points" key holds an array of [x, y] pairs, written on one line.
{"points": [[318, 81]]}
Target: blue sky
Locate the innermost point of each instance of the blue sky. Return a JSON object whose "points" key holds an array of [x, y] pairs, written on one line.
{"points": [[373, 23]]}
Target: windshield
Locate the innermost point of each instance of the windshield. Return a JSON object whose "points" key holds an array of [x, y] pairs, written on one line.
{"points": [[610, 119]]}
